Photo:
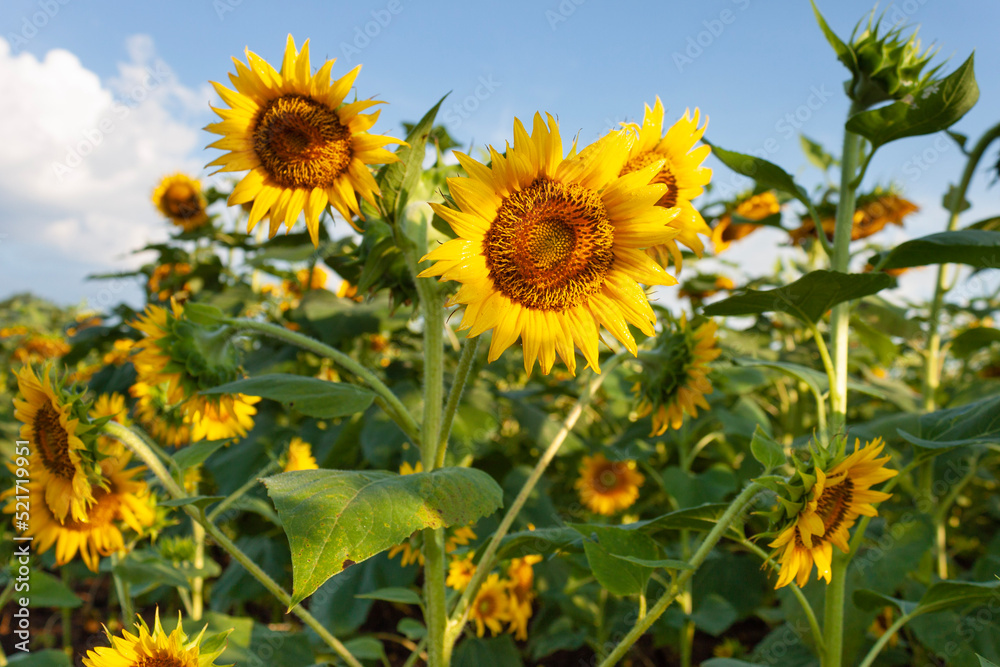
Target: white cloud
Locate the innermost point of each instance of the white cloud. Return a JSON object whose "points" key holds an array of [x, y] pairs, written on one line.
{"points": [[81, 158]]}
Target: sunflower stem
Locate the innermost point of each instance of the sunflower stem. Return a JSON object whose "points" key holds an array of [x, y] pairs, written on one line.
{"points": [[123, 593], [732, 512], [139, 447], [385, 398], [840, 318], [228, 501], [833, 614], [198, 583], [465, 362], [884, 639], [460, 613]]}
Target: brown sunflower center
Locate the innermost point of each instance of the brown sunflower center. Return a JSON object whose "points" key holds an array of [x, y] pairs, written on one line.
{"points": [[664, 176], [834, 504], [53, 442], [606, 478], [550, 245], [161, 659], [301, 142], [181, 201], [486, 605]]}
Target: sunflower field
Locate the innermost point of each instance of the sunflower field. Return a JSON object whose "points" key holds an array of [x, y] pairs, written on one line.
{"points": [[492, 442]]}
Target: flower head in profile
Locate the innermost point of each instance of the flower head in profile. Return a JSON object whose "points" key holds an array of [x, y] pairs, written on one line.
{"points": [[873, 211], [827, 511], [303, 145], [607, 487], [681, 173], [157, 648], [738, 221], [675, 380], [551, 248], [178, 198]]}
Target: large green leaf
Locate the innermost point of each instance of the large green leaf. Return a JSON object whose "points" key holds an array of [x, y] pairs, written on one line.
{"points": [[937, 107], [844, 52], [946, 594], [44, 658], [976, 247], [250, 643], [397, 179], [310, 396], [605, 546], [976, 423], [336, 518], [808, 298], [766, 174], [539, 541], [972, 340]]}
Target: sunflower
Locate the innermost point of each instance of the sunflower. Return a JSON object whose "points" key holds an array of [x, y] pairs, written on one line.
{"points": [[550, 249], [112, 407], [681, 172], [38, 348], [159, 417], [60, 462], [460, 571], [491, 608], [179, 198], [521, 582], [675, 381], [301, 144], [170, 274], [120, 352], [755, 207], [120, 501], [606, 487], [838, 497], [300, 456], [873, 211], [156, 648], [220, 417]]}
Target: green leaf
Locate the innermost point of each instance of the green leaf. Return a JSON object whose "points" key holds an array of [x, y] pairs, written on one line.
{"points": [[336, 518], [808, 298], [605, 544], [844, 53], [693, 489], [815, 153], [397, 179], [146, 567], [702, 518], [366, 648], [976, 247], [310, 396], [766, 174], [46, 658], [250, 643], [195, 454], [989, 224], [496, 652], [203, 313], [657, 563], [400, 595], [539, 541], [983, 662], [938, 107], [729, 662], [868, 599], [767, 452], [946, 594], [976, 423], [411, 628], [972, 340], [47, 591]]}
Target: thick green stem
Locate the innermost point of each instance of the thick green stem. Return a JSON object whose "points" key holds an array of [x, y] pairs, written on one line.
{"points": [[833, 613], [385, 398], [465, 362], [136, 444], [932, 363], [438, 648], [840, 318], [461, 611], [433, 309], [705, 548]]}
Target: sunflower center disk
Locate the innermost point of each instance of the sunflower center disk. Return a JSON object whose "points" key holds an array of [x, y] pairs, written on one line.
{"points": [[53, 442], [664, 176], [834, 504], [182, 201], [161, 659], [606, 480], [550, 245], [301, 143]]}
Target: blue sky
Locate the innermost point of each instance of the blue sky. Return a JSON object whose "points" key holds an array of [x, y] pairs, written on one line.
{"points": [[761, 71]]}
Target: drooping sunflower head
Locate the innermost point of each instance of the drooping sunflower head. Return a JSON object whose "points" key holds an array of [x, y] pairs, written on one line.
{"points": [[607, 487], [300, 456], [491, 608], [178, 197], [873, 211], [704, 285], [549, 248], [819, 506], [674, 379], [63, 456], [302, 145], [157, 648], [681, 173], [737, 222]]}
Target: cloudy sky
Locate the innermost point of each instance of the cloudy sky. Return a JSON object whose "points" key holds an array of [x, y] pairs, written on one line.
{"points": [[100, 99]]}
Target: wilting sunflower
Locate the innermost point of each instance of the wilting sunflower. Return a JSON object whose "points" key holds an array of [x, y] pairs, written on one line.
{"points": [[302, 145], [60, 461], [755, 207], [838, 497], [681, 172], [675, 379], [873, 211], [157, 648], [119, 502], [606, 487], [491, 608], [550, 249], [179, 198], [300, 456]]}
